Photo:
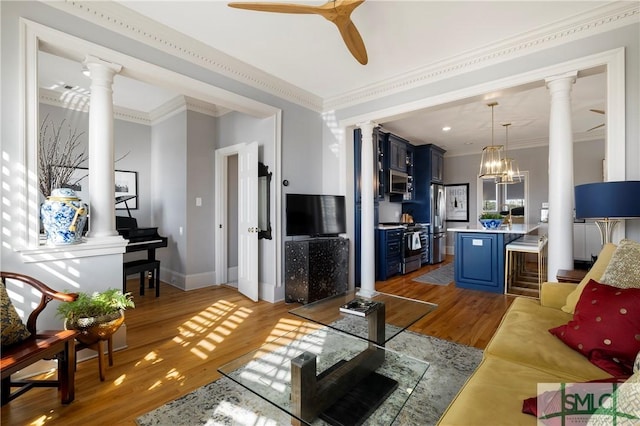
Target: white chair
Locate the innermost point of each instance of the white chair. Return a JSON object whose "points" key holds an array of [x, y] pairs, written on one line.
{"points": [[519, 279]]}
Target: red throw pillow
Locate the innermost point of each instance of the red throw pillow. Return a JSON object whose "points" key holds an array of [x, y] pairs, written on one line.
{"points": [[605, 327]]}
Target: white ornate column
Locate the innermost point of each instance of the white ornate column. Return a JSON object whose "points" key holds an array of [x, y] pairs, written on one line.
{"points": [[560, 250], [102, 222], [367, 228]]}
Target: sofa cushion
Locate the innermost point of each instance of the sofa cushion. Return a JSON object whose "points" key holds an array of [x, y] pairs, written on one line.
{"points": [[523, 338], [595, 273], [13, 329], [493, 395], [623, 269], [605, 327]]}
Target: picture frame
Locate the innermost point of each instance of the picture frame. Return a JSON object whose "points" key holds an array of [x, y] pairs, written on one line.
{"points": [[457, 200], [126, 183]]}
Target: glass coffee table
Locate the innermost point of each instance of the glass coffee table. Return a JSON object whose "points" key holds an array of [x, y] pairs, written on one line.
{"points": [[339, 374]]}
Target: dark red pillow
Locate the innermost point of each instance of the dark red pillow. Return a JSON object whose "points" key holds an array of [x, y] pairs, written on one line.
{"points": [[605, 327]]}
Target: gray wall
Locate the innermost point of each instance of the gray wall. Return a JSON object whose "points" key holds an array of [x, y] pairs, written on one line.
{"points": [[301, 141], [587, 158], [232, 211], [200, 177], [169, 192]]}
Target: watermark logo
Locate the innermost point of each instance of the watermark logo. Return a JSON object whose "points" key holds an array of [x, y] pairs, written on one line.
{"points": [[577, 404]]}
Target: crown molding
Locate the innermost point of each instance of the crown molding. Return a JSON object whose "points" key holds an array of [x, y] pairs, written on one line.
{"points": [[80, 102], [118, 18], [603, 19]]}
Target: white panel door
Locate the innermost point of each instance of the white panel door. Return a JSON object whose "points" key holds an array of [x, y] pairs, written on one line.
{"points": [[248, 221]]}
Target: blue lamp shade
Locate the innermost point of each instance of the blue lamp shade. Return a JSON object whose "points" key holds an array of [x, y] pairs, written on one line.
{"points": [[620, 199]]}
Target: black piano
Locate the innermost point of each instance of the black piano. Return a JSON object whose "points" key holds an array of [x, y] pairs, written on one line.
{"points": [[141, 239]]}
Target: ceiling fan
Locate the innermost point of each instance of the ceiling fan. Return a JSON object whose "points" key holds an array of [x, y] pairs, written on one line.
{"points": [[336, 11], [597, 111]]}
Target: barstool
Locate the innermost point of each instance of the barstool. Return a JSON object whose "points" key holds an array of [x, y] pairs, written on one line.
{"points": [[518, 279], [142, 267]]}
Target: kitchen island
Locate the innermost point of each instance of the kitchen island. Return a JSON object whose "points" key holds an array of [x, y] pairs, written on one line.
{"points": [[480, 255]]}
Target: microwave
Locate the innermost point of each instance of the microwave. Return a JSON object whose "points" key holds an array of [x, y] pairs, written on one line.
{"points": [[398, 182]]}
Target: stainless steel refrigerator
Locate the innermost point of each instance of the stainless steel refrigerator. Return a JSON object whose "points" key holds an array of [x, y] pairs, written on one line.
{"points": [[437, 232]]}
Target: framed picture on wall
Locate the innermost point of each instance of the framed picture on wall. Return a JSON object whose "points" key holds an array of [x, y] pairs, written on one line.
{"points": [[457, 199], [126, 183]]}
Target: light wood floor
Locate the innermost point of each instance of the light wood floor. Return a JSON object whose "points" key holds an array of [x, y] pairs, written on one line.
{"points": [[177, 342]]}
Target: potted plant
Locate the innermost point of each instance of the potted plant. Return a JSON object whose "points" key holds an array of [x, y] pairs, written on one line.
{"points": [[96, 316], [490, 220]]}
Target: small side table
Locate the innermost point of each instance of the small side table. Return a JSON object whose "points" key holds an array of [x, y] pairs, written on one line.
{"points": [[570, 275]]}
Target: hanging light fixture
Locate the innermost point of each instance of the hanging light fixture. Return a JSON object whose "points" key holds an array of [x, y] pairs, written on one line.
{"points": [[491, 163], [510, 169]]}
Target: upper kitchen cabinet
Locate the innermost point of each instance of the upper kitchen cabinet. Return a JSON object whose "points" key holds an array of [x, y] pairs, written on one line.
{"points": [[437, 164], [397, 153], [380, 143]]}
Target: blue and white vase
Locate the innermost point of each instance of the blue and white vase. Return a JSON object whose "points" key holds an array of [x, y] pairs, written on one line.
{"points": [[64, 217]]}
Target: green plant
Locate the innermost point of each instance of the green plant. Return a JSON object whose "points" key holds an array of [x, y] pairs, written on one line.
{"points": [[97, 304], [490, 215]]}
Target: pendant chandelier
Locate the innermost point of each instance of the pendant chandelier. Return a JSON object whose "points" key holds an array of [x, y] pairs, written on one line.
{"points": [[491, 164], [510, 169]]}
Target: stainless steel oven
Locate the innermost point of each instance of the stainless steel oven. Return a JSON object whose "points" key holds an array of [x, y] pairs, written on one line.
{"points": [[412, 249]]}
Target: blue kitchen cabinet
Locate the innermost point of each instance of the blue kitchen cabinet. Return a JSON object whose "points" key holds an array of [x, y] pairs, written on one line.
{"points": [[388, 253], [479, 260]]}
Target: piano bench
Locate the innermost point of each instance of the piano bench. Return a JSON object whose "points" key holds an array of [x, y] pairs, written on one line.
{"points": [[142, 267]]}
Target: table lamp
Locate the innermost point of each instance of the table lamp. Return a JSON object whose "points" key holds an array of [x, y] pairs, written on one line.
{"points": [[608, 203]]}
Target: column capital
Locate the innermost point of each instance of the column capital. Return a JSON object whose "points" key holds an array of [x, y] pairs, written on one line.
{"points": [[568, 76], [92, 63], [368, 125]]}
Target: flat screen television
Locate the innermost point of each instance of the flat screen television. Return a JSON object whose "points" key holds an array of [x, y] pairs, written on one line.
{"points": [[315, 215]]}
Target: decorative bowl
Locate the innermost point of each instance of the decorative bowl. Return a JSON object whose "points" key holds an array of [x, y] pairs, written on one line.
{"points": [[491, 223]]}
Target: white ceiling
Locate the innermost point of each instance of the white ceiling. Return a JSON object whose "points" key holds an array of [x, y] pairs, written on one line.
{"points": [[400, 36]]}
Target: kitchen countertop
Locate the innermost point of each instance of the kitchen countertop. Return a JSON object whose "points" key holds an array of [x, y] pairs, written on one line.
{"points": [[399, 225], [515, 229], [391, 226]]}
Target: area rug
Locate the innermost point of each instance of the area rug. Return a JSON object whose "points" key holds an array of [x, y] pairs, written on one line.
{"points": [[224, 402], [441, 276]]}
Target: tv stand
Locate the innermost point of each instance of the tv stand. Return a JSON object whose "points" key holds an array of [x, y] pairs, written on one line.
{"points": [[316, 268]]}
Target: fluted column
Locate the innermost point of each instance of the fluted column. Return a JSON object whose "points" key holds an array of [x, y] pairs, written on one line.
{"points": [[102, 222], [367, 231], [560, 249]]}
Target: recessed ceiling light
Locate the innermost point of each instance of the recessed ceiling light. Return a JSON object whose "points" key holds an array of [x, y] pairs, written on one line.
{"points": [[446, 128], [468, 143]]}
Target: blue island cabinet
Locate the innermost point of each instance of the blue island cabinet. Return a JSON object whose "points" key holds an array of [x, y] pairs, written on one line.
{"points": [[479, 260]]}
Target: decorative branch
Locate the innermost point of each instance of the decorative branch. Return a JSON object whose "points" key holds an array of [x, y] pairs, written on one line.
{"points": [[57, 148]]}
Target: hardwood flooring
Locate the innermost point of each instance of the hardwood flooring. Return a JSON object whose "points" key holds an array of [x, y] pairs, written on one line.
{"points": [[176, 343]]}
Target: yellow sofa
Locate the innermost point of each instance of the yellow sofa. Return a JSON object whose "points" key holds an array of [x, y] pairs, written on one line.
{"points": [[521, 354]]}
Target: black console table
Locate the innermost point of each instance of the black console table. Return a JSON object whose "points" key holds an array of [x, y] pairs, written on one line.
{"points": [[316, 268]]}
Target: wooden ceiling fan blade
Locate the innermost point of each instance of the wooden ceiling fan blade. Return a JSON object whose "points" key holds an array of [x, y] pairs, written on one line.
{"points": [[597, 127], [598, 111], [354, 42], [277, 7]]}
